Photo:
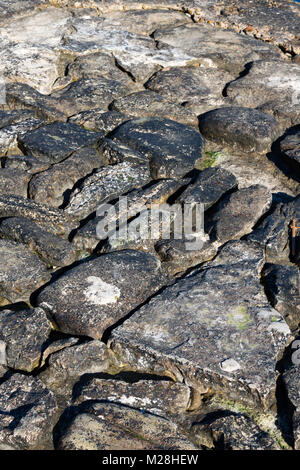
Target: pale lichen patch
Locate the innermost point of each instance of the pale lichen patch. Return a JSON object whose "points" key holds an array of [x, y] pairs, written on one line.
{"points": [[101, 293]]}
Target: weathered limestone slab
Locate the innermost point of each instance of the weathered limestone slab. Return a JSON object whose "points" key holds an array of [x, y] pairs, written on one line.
{"points": [[103, 290], [213, 329]]}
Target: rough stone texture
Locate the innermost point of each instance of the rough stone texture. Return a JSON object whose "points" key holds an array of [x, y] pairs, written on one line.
{"points": [[21, 272], [55, 142], [291, 381], [51, 249], [87, 93], [290, 147], [65, 367], [238, 212], [103, 290], [224, 305], [163, 398], [197, 88], [116, 427], [13, 181], [173, 149], [209, 187], [10, 135], [24, 334], [99, 120], [273, 82], [25, 163], [53, 186], [216, 47], [148, 103], [233, 432], [246, 128], [282, 285], [29, 412], [51, 219]]}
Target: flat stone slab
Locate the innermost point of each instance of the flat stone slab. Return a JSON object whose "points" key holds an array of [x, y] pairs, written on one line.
{"points": [[102, 290], [247, 128], [213, 329], [24, 333], [117, 427], [172, 148], [55, 142], [21, 272], [52, 249]]}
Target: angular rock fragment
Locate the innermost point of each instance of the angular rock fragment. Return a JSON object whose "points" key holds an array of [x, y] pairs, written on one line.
{"points": [[173, 149], [291, 379], [65, 367], [127, 170], [216, 47], [86, 237], [54, 185], [99, 120], [14, 182], [29, 413], [290, 147], [214, 317], [9, 135], [51, 249], [55, 142], [116, 427], [53, 220], [20, 95], [233, 431], [197, 88], [162, 397], [148, 103], [246, 128], [238, 212], [88, 93], [24, 334], [207, 189], [21, 272], [282, 286], [266, 81], [25, 163], [103, 290]]}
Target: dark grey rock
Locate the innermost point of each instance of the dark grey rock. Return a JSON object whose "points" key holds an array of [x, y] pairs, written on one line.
{"points": [[148, 103], [24, 334], [52, 186], [173, 149], [163, 398], [65, 367], [291, 380], [290, 147], [209, 187], [13, 181], [87, 94], [99, 120], [29, 413], [214, 330], [25, 163], [55, 142], [51, 249], [246, 128], [282, 286], [21, 272], [53, 220], [232, 431], [103, 290], [9, 135], [117, 427], [238, 212], [197, 88]]}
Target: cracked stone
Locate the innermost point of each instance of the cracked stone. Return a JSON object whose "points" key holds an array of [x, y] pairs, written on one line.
{"points": [[51, 249], [13, 181], [24, 334], [215, 313], [99, 120], [172, 148], [106, 288], [25, 163]]}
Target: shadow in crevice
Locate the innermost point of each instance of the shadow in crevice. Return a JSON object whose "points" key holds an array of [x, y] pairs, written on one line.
{"points": [[285, 165]]}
